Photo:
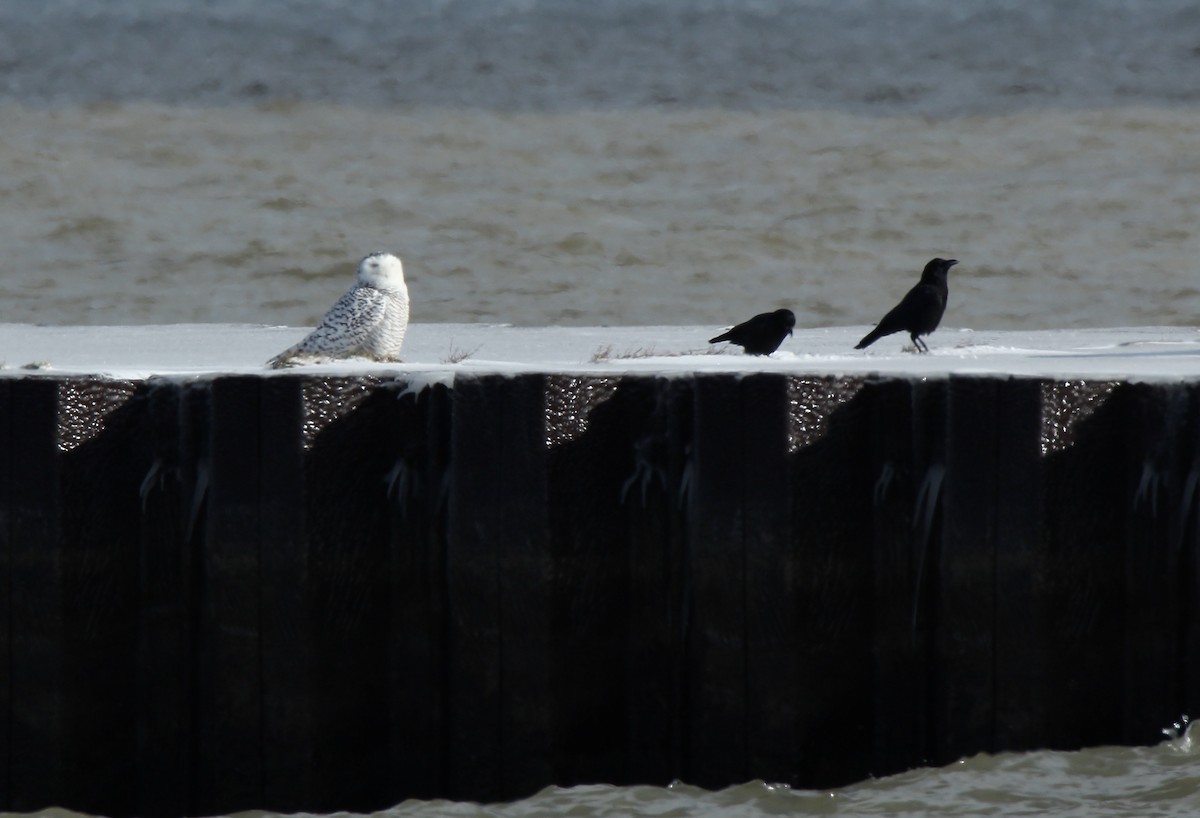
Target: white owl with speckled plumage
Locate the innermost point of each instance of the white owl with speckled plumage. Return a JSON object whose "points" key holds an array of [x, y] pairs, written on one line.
{"points": [[369, 321]]}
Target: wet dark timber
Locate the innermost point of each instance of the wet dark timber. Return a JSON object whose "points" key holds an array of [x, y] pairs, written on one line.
{"points": [[302, 594]]}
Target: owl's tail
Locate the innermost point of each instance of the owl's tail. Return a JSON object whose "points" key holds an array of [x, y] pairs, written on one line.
{"points": [[285, 359]]}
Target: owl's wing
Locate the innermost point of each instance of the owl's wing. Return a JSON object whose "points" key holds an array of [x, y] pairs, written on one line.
{"points": [[344, 329], [348, 323]]}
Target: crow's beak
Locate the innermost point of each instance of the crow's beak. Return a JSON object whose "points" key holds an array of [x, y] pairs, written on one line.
{"points": [[951, 263]]}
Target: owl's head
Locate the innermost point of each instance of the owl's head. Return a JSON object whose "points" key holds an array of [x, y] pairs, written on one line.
{"points": [[381, 270]]}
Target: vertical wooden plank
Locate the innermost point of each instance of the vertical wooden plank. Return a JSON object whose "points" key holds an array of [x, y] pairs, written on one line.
{"points": [[1155, 481], [100, 542], [772, 578], [591, 427], [6, 587], [653, 494], [289, 768], [498, 584], [832, 483], [1023, 649], [38, 631], [1189, 543], [347, 565], [473, 562], [527, 572], [1086, 499], [417, 649], [227, 767], [166, 598], [964, 685], [717, 567], [907, 449]]}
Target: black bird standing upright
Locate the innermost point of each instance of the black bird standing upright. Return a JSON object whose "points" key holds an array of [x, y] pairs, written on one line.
{"points": [[920, 311], [762, 334]]}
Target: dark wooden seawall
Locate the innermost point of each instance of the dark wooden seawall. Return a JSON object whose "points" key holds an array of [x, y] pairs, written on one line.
{"points": [[311, 594]]}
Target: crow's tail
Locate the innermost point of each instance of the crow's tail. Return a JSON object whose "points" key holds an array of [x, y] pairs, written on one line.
{"points": [[870, 338]]}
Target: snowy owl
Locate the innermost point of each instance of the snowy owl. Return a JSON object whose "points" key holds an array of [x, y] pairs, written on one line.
{"points": [[368, 321]]}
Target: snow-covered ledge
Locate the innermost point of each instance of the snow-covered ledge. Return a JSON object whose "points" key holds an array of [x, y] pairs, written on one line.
{"points": [[187, 350]]}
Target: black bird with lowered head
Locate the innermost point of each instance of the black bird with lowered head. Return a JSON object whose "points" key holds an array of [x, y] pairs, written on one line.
{"points": [[920, 311], [762, 334]]}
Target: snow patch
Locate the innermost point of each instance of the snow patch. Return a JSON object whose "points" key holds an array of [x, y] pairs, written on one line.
{"points": [[189, 351]]}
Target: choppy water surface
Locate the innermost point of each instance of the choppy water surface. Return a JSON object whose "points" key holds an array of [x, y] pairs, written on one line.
{"points": [[1104, 782], [623, 162], [1110, 781], [136, 213]]}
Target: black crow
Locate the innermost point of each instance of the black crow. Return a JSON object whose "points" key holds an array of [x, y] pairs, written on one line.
{"points": [[762, 334], [920, 311]]}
